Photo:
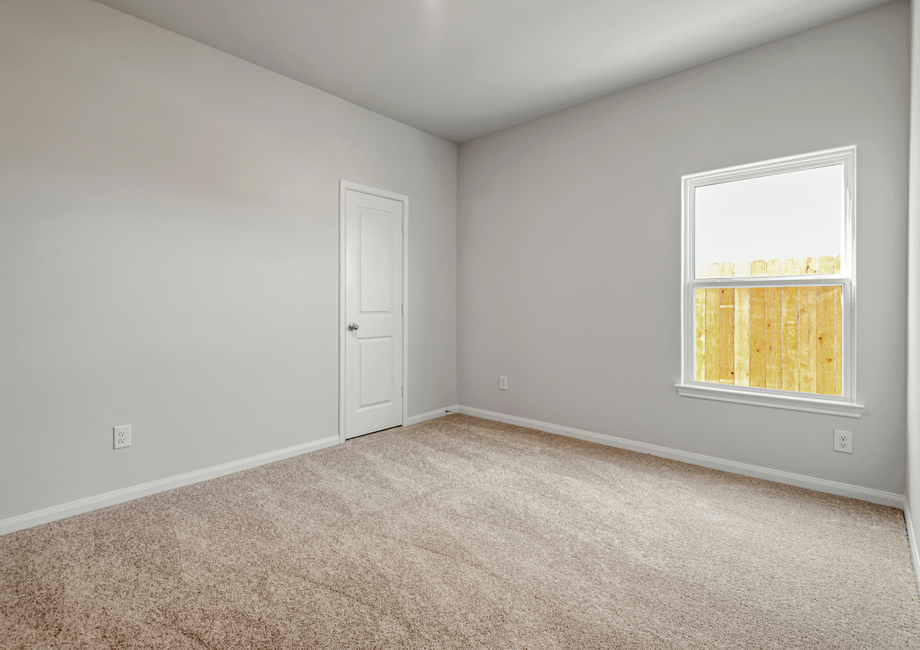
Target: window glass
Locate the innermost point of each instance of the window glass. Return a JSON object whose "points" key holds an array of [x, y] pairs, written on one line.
{"points": [[780, 219], [784, 338]]}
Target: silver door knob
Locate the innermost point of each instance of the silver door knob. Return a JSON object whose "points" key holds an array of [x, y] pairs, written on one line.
{"points": [[352, 327]]}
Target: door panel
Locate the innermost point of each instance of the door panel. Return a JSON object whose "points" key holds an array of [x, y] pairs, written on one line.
{"points": [[376, 262], [377, 367], [373, 303]]}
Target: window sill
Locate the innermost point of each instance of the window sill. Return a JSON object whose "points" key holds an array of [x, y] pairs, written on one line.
{"points": [[773, 399]]}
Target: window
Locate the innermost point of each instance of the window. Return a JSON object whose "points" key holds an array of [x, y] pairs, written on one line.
{"points": [[768, 300]]}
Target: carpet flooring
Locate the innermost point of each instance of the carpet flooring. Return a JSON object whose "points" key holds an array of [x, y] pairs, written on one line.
{"points": [[466, 533]]}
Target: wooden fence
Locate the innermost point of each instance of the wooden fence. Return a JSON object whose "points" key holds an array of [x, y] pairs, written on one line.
{"points": [[787, 338]]}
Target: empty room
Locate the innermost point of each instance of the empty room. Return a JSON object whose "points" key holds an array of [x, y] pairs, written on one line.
{"points": [[459, 324]]}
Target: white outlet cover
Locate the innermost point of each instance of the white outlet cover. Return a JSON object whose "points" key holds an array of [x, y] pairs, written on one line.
{"points": [[503, 383], [121, 436], [843, 441]]}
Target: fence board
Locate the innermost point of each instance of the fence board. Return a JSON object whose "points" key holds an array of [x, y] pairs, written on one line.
{"points": [[774, 329], [838, 384], [808, 345], [713, 325], [743, 329], [758, 376], [808, 266], [826, 341], [700, 323], [827, 265], [700, 335], [826, 332], [727, 329], [790, 328]]}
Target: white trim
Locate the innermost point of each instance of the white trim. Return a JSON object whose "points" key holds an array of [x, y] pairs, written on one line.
{"points": [[80, 506], [770, 281], [777, 476], [344, 186], [689, 386], [431, 415], [912, 541], [772, 399]]}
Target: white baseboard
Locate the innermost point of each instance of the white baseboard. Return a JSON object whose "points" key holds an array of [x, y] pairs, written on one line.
{"points": [[65, 510], [431, 415], [777, 476], [912, 540]]}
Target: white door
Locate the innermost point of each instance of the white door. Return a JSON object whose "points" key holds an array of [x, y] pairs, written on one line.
{"points": [[373, 313]]}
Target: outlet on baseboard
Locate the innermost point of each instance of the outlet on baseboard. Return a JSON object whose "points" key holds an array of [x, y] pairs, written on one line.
{"points": [[122, 436], [502, 383], [843, 441]]}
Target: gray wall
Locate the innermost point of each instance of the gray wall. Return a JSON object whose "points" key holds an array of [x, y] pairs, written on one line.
{"points": [[169, 253], [913, 297], [569, 249]]}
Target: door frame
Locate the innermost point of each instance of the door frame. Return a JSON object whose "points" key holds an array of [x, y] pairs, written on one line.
{"points": [[344, 186]]}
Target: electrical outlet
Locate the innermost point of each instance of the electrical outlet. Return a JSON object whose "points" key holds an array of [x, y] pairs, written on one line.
{"points": [[843, 441], [122, 436], [503, 383]]}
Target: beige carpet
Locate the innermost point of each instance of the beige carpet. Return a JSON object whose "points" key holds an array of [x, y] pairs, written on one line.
{"points": [[464, 533]]}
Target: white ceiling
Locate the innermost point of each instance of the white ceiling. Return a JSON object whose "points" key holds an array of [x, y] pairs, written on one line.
{"points": [[460, 69]]}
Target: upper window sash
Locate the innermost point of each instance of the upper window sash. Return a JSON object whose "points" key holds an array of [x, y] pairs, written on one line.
{"points": [[845, 156]]}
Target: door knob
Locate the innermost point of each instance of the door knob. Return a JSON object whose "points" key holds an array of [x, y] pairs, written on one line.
{"points": [[352, 327]]}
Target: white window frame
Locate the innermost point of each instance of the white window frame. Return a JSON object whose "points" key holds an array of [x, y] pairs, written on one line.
{"points": [[844, 404]]}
